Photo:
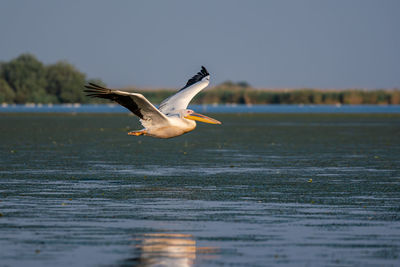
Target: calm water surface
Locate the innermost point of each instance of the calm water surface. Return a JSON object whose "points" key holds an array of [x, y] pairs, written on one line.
{"points": [[259, 190]]}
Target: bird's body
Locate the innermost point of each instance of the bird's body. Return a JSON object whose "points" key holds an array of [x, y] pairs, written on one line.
{"points": [[175, 126], [171, 119]]}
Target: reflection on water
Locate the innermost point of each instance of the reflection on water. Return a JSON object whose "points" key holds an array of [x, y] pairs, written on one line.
{"points": [[167, 249]]}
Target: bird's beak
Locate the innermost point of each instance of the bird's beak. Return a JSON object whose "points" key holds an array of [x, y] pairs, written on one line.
{"points": [[202, 118]]}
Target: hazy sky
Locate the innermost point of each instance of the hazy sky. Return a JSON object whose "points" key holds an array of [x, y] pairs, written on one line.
{"points": [[274, 44]]}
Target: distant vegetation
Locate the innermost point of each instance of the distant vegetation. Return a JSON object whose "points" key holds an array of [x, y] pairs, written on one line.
{"points": [[26, 80], [229, 92]]}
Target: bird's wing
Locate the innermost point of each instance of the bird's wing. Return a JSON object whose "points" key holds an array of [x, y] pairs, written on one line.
{"points": [[181, 99], [136, 103]]}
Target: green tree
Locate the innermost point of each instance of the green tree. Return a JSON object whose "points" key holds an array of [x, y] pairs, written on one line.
{"points": [[27, 77], [65, 82], [7, 94], [243, 84]]}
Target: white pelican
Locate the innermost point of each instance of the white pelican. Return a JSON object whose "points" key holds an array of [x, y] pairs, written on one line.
{"points": [[172, 118]]}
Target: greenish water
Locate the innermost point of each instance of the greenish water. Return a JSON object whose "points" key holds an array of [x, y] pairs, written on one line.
{"points": [[286, 190]]}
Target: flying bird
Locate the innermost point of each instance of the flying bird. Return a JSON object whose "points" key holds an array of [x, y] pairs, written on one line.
{"points": [[171, 118]]}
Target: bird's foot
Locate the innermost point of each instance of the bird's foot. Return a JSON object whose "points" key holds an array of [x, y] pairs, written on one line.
{"points": [[137, 133]]}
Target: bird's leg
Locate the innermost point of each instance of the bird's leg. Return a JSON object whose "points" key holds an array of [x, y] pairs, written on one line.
{"points": [[137, 133]]}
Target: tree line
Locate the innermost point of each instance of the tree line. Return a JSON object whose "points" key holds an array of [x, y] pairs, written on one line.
{"points": [[27, 80], [242, 93]]}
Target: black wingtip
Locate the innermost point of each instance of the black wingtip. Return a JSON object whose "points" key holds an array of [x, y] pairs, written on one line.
{"points": [[204, 70], [94, 90], [96, 85], [198, 77]]}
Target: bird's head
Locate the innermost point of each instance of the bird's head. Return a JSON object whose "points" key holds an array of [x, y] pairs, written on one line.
{"points": [[191, 115]]}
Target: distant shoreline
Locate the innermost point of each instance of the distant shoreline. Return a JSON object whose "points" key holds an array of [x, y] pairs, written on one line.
{"points": [[26, 80], [232, 94], [226, 108], [228, 93]]}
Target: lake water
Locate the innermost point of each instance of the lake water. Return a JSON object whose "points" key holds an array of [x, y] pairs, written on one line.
{"points": [[258, 190]]}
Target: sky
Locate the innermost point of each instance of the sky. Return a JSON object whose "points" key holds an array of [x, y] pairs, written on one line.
{"points": [[161, 44]]}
